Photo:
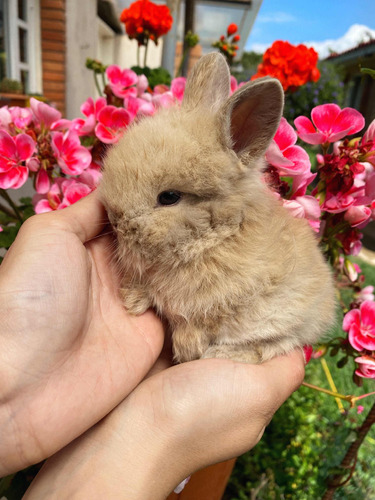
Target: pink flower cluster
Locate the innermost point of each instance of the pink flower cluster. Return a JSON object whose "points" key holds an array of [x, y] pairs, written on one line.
{"points": [[345, 191], [63, 157], [360, 325], [286, 159]]}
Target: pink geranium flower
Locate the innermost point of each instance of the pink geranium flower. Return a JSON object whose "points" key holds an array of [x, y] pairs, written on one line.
{"points": [[91, 107], [178, 87], [360, 325], [5, 117], [137, 106], [122, 82], [366, 367], [233, 84], [91, 176], [339, 203], [63, 192], [21, 117], [91, 110], [163, 99], [42, 182], [305, 207], [14, 153], [300, 183], [44, 114], [71, 157], [112, 124], [357, 215], [367, 293], [283, 154], [329, 123], [142, 85]]}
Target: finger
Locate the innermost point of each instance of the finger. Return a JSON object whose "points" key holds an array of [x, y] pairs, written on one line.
{"points": [[86, 218], [281, 376]]}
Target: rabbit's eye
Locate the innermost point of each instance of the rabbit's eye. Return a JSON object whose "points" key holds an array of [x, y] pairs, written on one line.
{"points": [[169, 197]]}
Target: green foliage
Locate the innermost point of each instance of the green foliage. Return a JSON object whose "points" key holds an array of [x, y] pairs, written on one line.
{"points": [[96, 66], [155, 76], [11, 225], [12, 86], [304, 443], [368, 71], [308, 437], [8, 235], [13, 487], [328, 89]]}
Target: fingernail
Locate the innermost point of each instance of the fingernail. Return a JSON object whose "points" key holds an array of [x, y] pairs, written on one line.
{"points": [[307, 350]]}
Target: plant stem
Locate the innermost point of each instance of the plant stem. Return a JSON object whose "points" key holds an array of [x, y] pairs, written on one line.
{"points": [[349, 461], [103, 80], [179, 70], [145, 57], [332, 384], [330, 393], [7, 211], [97, 84], [6, 197]]}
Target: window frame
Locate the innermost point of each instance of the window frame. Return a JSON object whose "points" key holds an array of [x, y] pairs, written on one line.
{"points": [[33, 64]]}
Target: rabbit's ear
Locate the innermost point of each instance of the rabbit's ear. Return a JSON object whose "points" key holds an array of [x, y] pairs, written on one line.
{"points": [[208, 84], [251, 117]]}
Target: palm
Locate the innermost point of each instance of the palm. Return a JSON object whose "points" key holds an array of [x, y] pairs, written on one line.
{"points": [[73, 346]]}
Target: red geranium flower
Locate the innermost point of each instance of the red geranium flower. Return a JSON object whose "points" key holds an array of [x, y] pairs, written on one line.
{"points": [[292, 65], [232, 29], [144, 20]]}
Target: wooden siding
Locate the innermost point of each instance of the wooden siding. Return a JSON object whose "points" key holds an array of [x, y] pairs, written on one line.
{"points": [[52, 14]]}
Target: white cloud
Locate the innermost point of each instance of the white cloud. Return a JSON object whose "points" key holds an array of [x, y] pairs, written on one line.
{"points": [[276, 17], [356, 34]]}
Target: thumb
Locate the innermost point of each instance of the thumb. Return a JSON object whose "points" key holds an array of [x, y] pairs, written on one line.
{"points": [[86, 218]]}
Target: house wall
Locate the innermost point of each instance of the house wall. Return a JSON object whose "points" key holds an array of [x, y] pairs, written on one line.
{"points": [[53, 36]]}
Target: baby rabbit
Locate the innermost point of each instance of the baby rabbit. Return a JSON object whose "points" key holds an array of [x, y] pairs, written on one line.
{"points": [[201, 239]]}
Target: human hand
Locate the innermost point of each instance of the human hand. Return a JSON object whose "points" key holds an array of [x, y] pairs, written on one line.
{"points": [[178, 420], [69, 352]]}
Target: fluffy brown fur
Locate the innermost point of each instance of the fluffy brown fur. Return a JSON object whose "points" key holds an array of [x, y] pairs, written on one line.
{"points": [[233, 273]]}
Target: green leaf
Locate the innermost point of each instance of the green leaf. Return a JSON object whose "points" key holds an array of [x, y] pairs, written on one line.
{"points": [[368, 71], [342, 362], [334, 351], [26, 200], [155, 76], [8, 235], [4, 218]]}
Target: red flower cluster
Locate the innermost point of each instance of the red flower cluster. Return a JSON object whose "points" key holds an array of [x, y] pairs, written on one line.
{"points": [[145, 20], [339, 169], [226, 46], [292, 65]]}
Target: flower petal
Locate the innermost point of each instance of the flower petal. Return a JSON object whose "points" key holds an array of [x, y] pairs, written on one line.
{"points": [[350, 318], [285, 135], [324, 116], [348, 119], [25, 146], [42, 182], [368, 315]]}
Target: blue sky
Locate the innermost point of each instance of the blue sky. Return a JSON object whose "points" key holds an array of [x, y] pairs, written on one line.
{"points": [[309, 20]]}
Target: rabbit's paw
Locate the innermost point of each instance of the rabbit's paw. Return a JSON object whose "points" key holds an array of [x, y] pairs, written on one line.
{"points": [[135, 300], [189, 343], [242, 353]]}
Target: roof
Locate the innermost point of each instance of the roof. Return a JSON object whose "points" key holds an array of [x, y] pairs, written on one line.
{"points": [[363, 49]]}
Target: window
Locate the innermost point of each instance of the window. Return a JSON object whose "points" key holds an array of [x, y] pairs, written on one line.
{"points": [[20, 52]]}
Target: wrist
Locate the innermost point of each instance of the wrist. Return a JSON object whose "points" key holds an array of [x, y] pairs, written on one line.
{"points": [[126, 456]]}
